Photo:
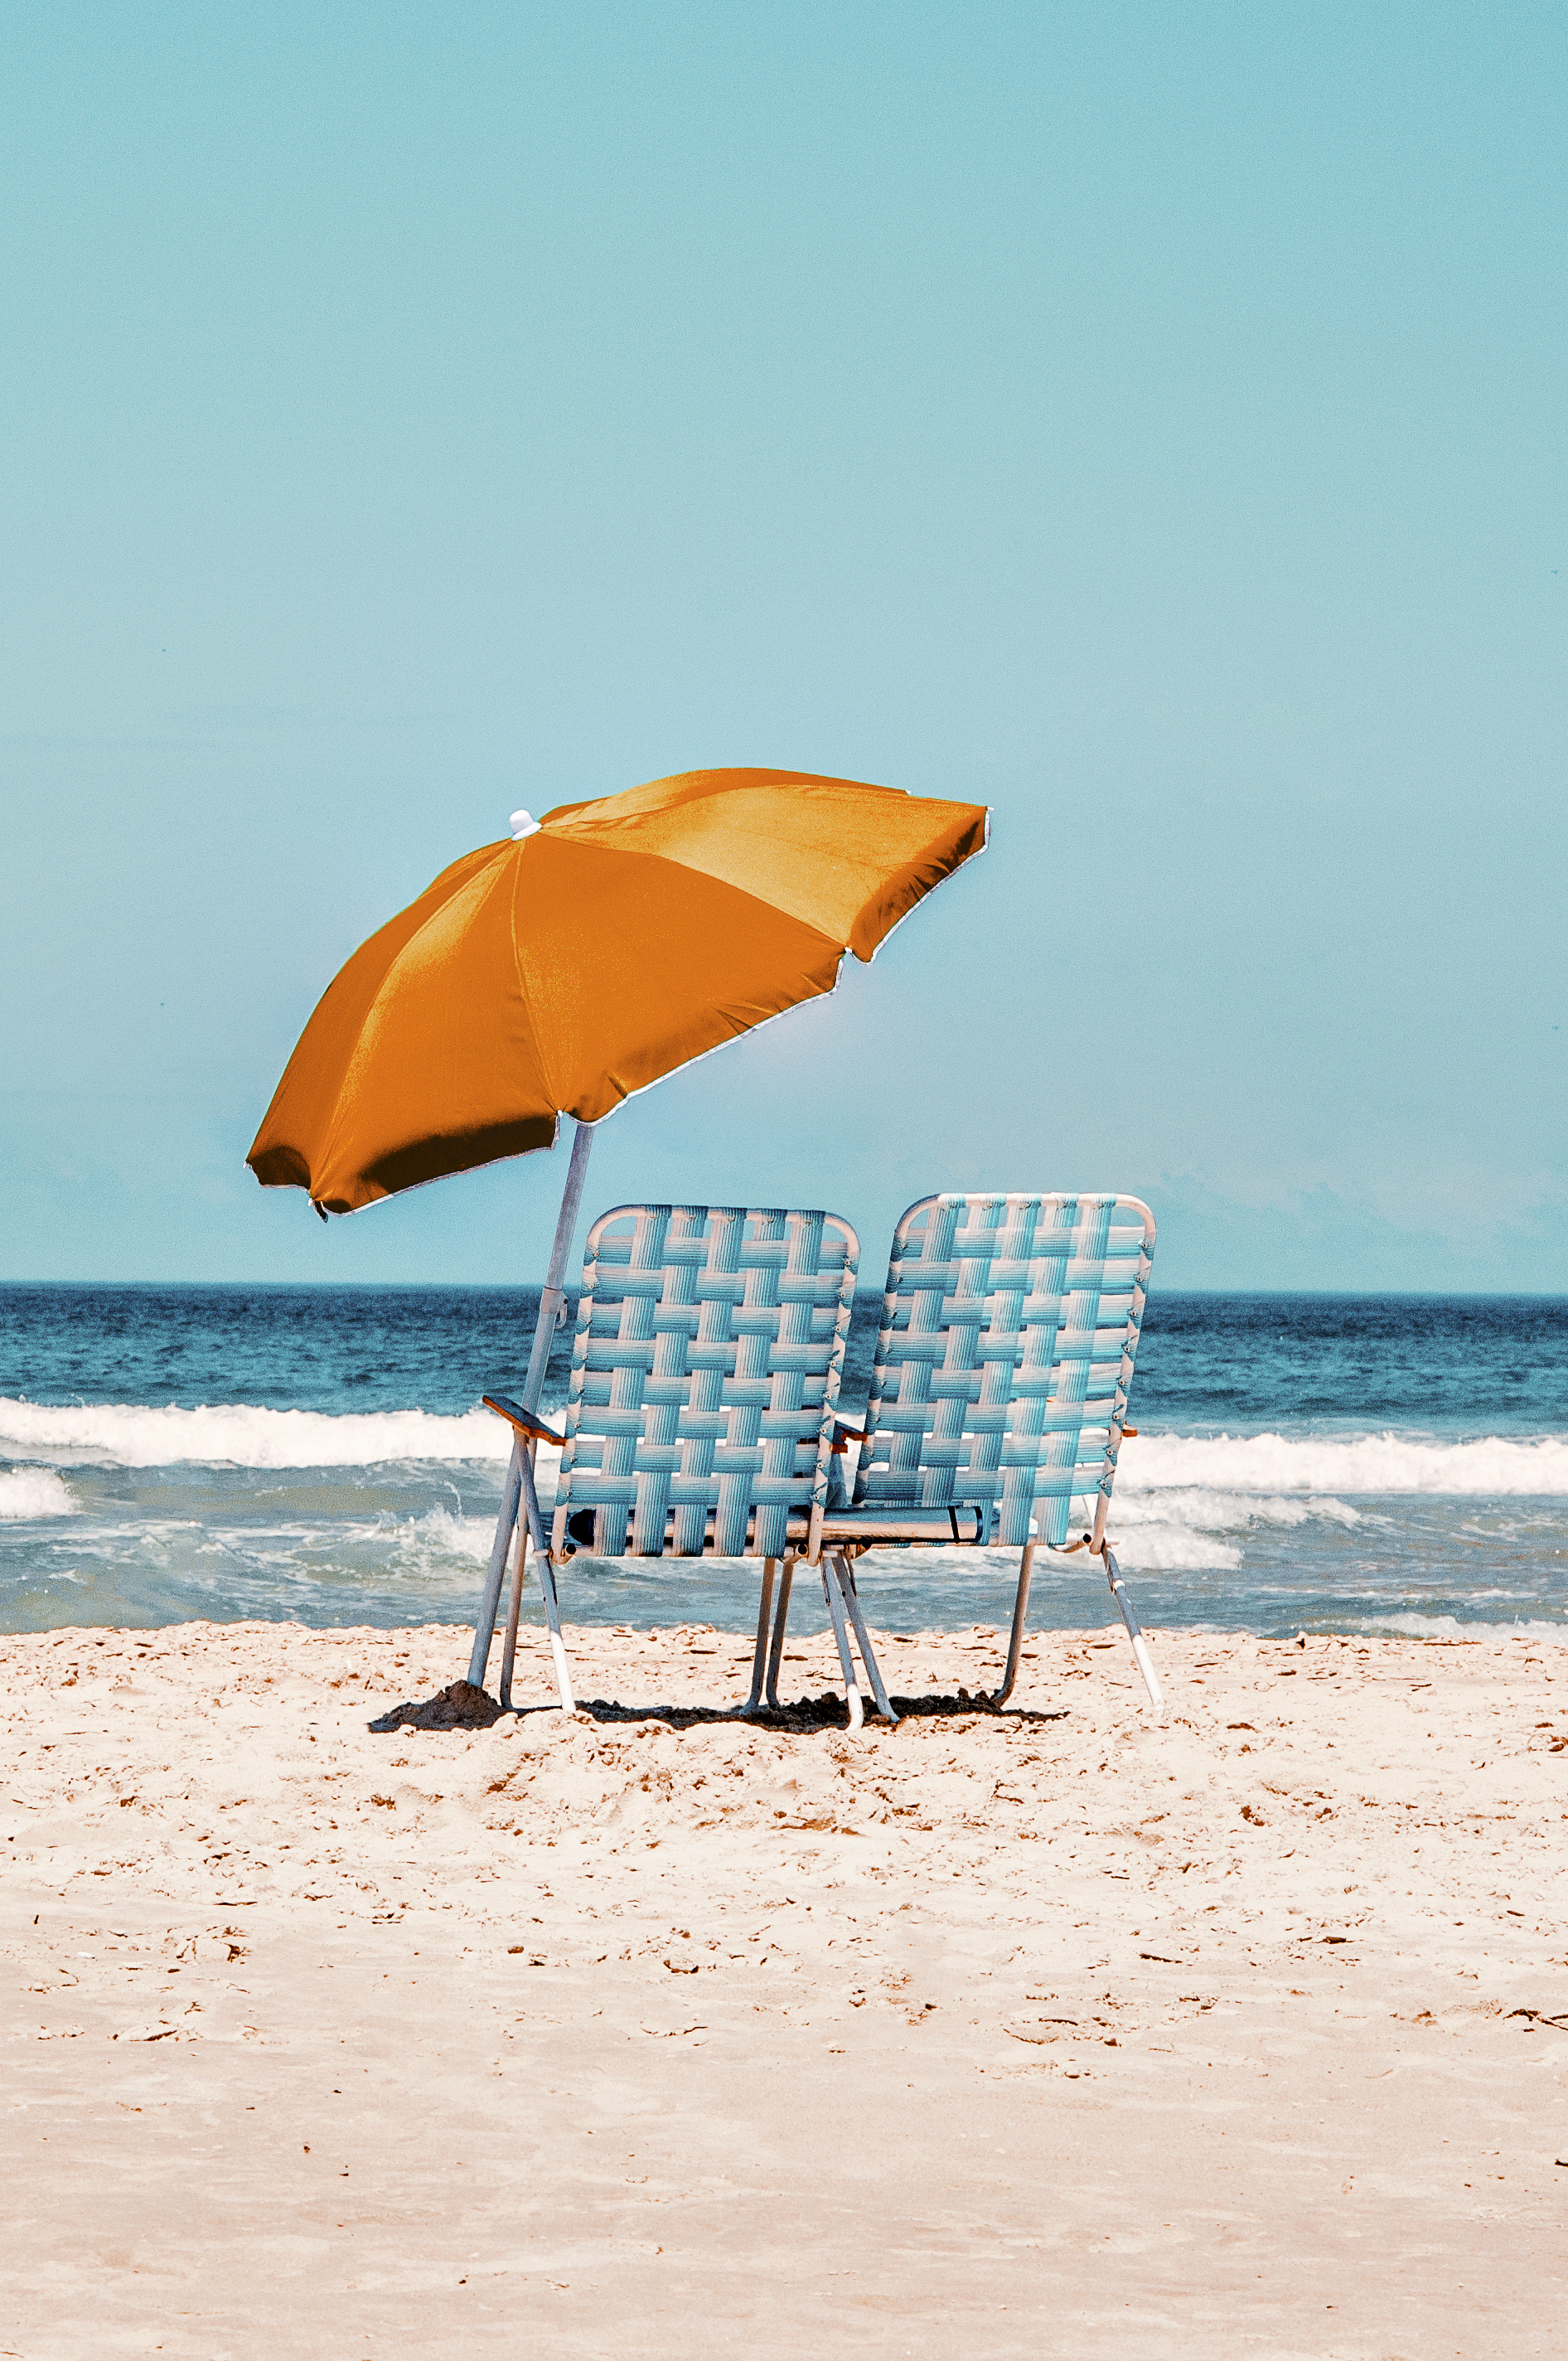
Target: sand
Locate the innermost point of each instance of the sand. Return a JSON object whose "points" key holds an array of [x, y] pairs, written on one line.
{"points": [[1060, 2032]]}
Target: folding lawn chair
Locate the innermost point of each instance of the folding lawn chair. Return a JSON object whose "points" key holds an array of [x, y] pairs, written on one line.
{"points": [[999, 1395], [704, 1372]]}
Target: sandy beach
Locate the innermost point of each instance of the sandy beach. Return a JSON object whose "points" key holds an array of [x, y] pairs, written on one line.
{"points": [[1059, 2031]]}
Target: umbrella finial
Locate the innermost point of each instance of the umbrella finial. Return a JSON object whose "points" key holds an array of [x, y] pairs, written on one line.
{"points": [[521, 824]]}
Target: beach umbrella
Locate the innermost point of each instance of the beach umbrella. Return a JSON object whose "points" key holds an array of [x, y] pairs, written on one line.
{"points": [[567, 967]]}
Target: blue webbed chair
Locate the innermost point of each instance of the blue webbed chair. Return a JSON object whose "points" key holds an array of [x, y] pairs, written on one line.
{"points": [[705, 1374], [999, 1396]]}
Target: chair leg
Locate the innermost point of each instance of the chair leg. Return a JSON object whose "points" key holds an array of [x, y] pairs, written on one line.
{"points": [[780, 1617], [544, 1567], [835, 1598], [1140, 1645], [1016, 1638], [868, 1658], [759, 1659], [509, 1646], [547, 1574], [485, 1621]]}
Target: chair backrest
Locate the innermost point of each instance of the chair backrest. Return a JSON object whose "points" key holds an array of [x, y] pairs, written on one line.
{"points": [[1008, 1334], [704, 1372]]}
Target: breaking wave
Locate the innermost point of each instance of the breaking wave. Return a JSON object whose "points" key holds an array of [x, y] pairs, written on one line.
{"points": [[1491, 1466], [1193, 1482], [239, 1434], [1448, 1627], [28, 1492], [438, 1537]]}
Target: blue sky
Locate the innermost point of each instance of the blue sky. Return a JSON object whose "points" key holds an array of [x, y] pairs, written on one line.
{"points": [[1147, 421]]}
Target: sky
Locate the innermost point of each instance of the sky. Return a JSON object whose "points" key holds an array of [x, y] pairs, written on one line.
{"points": [[1146, 420]]}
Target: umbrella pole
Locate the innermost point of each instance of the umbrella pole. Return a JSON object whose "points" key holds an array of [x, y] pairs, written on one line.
{"points": [[551, 1304]]}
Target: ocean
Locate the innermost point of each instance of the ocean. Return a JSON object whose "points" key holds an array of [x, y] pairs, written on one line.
{"points": [[1394, 1464]]}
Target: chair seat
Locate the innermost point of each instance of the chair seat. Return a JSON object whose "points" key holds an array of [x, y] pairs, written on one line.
{"points": [[870, 1528], [965, 1523]]}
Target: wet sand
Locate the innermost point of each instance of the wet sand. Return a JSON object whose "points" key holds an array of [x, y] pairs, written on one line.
{"points": [[1059, 2031]]}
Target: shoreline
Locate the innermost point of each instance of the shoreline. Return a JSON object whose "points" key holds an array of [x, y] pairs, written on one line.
{"points": [[1227, 2032]]}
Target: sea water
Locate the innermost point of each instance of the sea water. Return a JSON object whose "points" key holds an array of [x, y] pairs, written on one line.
{"points": [[1343, 1462]]}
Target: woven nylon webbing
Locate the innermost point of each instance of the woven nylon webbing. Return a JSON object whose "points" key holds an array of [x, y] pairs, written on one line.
{"points": [[1008, 1335], [704, 1372]]}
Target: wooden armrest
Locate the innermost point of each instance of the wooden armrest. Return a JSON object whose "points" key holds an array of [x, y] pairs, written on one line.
{"points": [[523, 1420]]}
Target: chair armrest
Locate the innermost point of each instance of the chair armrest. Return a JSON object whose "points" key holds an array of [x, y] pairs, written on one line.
{"points": [[522, 1420]]}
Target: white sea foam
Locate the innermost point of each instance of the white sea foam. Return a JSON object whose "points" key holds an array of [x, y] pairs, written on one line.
{"points": [[34, 1492], [1208, 1510], [1379, 1464], [1169, 1548], [1195, 1481], [1177, 1530], [239, 1434], [441, 1534], [1448, 1627], [429, 1546]]}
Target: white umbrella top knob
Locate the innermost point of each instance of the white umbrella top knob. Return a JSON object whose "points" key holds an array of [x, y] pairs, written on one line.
{"points": [[523, 824]]}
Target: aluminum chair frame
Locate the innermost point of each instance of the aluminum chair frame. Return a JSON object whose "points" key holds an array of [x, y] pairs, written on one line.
{"points": [[706, 1367], [998, 1394], [527, 1433]]}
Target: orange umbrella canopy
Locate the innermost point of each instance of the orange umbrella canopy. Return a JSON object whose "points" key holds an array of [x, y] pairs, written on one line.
{"points": [[558, 972]]}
